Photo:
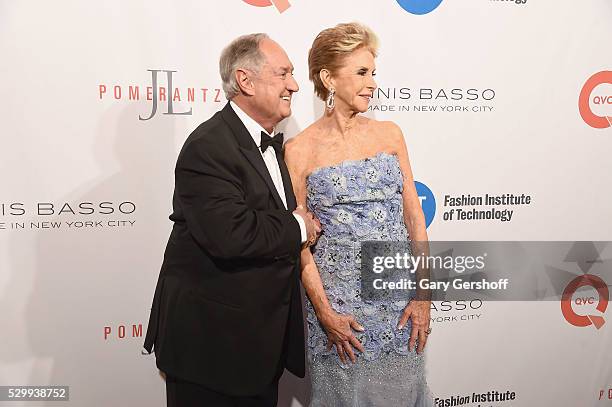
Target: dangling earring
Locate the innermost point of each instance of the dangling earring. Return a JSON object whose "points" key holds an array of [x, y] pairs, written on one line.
{"points": [[330, 102]]}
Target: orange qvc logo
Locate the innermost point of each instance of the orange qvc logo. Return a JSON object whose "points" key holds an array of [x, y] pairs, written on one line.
{"points": [[586, 96], [281, 5], [567, 304]]}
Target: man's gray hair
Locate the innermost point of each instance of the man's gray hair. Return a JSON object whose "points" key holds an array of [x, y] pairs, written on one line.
{"points": [[244, 53]]}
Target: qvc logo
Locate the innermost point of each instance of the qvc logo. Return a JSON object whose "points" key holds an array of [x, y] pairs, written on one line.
{"points": [[281, 5], [603, 100], [567, 303]]}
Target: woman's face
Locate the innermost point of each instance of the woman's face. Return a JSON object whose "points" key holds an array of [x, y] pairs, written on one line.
{"points": [[354, 82]]}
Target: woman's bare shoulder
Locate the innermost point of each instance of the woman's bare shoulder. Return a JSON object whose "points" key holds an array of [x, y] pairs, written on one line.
{"points": [[386, 134], [385, 126], [298, 148]]}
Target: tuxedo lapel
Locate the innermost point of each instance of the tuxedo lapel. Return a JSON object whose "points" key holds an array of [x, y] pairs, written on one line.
{"points": [[250, 151], [289, 195], [256, 160]]}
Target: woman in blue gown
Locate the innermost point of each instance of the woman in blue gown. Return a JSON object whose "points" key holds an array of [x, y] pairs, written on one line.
{"points": [[354, 174]]}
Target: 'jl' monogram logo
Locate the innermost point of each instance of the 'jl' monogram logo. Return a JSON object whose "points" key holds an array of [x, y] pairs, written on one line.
{"points": [[281, 5], [155, 95]]}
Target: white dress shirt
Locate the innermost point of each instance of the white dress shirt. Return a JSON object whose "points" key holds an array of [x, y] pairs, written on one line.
{"points": [[269, 157]]}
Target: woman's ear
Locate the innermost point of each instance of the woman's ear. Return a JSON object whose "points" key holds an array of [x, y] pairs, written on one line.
{"points": [[327, 79]]}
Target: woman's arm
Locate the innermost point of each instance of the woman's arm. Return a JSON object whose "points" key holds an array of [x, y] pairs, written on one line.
{"points": [[418, 309], [337, 326]]}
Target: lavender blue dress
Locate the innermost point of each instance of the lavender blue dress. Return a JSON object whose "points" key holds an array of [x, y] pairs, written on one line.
{"points": [[357, 201]]}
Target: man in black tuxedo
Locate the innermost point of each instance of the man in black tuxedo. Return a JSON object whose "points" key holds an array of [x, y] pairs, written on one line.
{"points": [[226, 318]]}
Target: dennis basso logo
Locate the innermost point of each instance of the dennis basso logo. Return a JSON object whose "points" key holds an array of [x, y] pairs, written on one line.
{"points": [[595, 100], [443, 312], [423, 100], [162, 94], [281, 5], [82, 215]]}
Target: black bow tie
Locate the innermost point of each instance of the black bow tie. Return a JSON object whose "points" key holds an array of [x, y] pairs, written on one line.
{"points": [[276, 142]]}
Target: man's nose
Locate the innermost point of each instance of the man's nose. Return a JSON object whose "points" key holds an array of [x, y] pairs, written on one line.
{"points": [[292, 84]]}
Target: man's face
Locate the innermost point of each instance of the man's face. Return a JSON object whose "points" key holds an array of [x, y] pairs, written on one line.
{"points": [[274, 84]]}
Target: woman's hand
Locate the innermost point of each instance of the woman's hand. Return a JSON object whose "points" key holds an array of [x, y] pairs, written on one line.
{"points": [[420, 312], [339, 328]]}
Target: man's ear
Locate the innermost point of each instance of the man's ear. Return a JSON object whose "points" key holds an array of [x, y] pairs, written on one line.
{"points": [[327, 79], [244, 81]]}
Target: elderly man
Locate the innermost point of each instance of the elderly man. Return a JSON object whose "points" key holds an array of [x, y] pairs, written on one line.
{"points": [[226, 317]]}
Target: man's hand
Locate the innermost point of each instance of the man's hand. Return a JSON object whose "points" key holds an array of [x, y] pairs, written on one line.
{"points": [[339, 328], [313, 226]]}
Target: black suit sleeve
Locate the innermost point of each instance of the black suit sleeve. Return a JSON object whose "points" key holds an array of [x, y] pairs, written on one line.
{"points": [[212, 200]]}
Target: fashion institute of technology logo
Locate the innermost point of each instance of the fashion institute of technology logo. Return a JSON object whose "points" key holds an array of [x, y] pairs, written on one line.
{"points": [[601, 100], [419, 7], [428, 202], [281, 5]]}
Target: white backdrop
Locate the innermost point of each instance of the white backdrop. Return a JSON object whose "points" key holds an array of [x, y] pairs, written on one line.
{"points": [[86, 185]]}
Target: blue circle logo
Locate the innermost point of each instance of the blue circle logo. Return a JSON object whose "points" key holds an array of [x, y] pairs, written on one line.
{"points": [[428, 202], [419, 7]]}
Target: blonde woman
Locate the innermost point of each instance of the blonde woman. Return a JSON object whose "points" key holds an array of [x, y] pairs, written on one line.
{"points": [[354, 174]]}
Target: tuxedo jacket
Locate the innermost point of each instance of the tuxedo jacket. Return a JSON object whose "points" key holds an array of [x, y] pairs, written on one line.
{"points": [[227, 312]]}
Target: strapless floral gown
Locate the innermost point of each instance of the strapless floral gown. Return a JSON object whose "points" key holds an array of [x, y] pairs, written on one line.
{"points": [[359, 201]]}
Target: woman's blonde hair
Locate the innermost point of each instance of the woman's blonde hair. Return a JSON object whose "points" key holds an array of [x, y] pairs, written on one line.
{"points": [[331, 46]]}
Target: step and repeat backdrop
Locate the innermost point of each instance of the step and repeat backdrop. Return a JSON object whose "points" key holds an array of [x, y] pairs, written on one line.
{"points": [[506, 108]]}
